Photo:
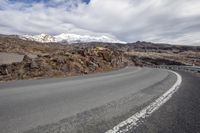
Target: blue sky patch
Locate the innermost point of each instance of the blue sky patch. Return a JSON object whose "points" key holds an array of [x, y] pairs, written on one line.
{"points": [[86, 1]]}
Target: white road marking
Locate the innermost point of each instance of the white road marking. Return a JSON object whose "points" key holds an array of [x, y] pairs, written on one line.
{"points": [[138, 117]]}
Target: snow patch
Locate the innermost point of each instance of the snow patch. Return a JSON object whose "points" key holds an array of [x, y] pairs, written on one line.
{"points": [[44, 38]]}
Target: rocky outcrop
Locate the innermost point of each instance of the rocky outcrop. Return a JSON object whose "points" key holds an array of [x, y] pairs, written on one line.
{"points": [[59, 64]]}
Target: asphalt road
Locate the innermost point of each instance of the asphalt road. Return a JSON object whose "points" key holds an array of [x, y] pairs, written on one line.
{"points": [[181, 114], [92, 103]]}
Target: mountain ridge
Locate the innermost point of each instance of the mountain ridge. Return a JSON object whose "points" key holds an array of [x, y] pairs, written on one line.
{"points": [[70, 38]]}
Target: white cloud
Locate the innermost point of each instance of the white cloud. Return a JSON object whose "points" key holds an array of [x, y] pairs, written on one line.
{"points": [[129, 20]]}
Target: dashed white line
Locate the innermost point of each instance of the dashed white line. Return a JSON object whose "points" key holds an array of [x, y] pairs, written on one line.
{"points": [[138, 117]]}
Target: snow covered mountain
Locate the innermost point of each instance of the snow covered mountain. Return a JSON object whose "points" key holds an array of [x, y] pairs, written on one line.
{"points": [[39, 38], [70, 38]]}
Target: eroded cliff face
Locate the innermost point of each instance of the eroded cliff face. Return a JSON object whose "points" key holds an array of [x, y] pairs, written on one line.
{"points": [[44, 60]]}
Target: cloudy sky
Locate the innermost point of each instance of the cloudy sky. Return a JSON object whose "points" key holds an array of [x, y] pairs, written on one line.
{"points": [[168, 21]]}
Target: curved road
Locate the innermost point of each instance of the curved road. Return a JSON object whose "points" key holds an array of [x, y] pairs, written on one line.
{"points": [[181, 114], [92, 103]]}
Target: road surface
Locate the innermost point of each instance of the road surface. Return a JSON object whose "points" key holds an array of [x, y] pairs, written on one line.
{"points": [[93, 103], [181, 114]]}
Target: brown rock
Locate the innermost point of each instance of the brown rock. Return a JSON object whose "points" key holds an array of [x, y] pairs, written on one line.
{"points": [[3, 70], [65, 68], [27, 59], [34, 64]]}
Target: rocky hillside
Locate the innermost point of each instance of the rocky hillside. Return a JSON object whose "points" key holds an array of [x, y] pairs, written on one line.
{"points": [[24, 59], [55, 60]]}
